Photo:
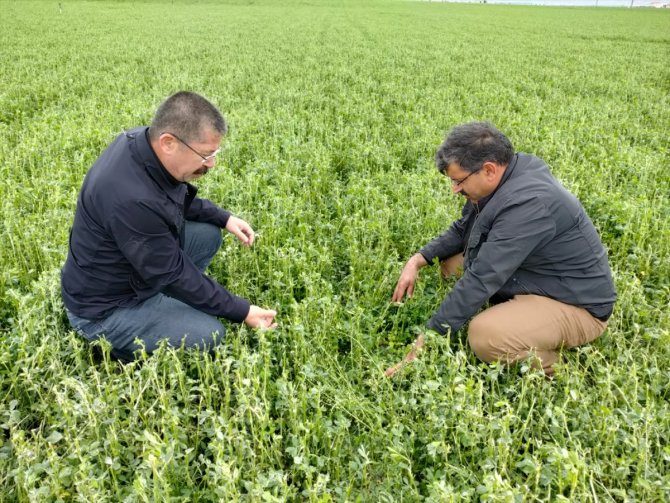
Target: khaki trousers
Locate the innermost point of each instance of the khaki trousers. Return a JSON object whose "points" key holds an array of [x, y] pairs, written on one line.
{"points": [[527, 325]]}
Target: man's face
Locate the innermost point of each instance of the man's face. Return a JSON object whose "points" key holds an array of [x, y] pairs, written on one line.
{"points": [[474, 185], [465, 182], [184, 160]]}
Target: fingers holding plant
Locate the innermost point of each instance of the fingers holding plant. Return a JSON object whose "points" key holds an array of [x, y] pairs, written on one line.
{"points": [[408, 278], [241, 230], [416, 350], [259, 317]]}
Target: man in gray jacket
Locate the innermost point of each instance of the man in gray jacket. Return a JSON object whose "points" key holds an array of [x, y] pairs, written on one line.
{"points": [[524, 245]]}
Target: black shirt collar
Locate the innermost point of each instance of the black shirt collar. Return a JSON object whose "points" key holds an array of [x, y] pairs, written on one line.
{"points": [[140, 148], [173, 181]]}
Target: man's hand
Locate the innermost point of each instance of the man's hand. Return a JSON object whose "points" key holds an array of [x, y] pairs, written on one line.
{"points": [[260, 318], [408, 277], [241, 230], [410, 357]]}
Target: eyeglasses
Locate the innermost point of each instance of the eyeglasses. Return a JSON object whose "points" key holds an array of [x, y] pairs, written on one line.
{"points": [[458, 183], [204, 158]]}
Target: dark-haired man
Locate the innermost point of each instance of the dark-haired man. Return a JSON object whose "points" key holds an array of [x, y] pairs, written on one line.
{"points": [[141, 239], [524, 244]]}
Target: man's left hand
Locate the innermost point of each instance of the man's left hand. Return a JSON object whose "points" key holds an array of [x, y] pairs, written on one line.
{"points": [[241, 230], [410, 357]]}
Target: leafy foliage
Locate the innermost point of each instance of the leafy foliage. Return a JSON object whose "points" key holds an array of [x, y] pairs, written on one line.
{"points": [[335, 109]]}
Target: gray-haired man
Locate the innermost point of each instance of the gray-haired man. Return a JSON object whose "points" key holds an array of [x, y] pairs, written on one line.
{"points": [[524, 244]]}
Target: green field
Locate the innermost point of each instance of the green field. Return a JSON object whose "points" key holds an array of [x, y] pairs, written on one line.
{"points": [[335, 112]]}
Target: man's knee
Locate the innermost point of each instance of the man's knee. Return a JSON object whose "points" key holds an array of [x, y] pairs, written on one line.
{"points": [[494, 338], [453, 266], [483, 337], [203, 234], [208, 234], [203, 334], [208, 336], [202, 242]]}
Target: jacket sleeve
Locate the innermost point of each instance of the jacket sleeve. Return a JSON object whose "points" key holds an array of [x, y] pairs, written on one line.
{"points": [[147, 242], [452, 241], [516, 231], [204, 210]]}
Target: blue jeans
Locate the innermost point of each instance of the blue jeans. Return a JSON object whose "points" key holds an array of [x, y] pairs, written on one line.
{"points": [[161, 317]]}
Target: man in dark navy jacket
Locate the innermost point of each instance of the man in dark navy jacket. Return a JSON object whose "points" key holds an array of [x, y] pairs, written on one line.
{"points": [[141, 239], [524, 244]]}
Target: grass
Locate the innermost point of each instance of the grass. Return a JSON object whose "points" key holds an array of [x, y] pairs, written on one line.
{"points": [[335, 110]]}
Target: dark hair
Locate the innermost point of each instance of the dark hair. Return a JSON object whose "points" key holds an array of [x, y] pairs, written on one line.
{"points": [[471, 145], [187, 115]]}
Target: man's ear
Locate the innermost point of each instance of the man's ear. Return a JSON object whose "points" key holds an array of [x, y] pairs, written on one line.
{"points": [[491, 169], [167, 143]]}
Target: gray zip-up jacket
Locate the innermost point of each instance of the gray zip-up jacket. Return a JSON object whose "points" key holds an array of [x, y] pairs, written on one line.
{"points": [[531, 236]]}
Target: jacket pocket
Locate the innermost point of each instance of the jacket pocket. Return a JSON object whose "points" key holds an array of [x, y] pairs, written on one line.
{"points": [[474, 244], [136, 282]]}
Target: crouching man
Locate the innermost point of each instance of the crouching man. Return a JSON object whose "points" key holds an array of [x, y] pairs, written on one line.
{"points": [[141, 239], [524, 244]]}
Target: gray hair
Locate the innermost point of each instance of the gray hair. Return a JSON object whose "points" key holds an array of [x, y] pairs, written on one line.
{"points": [[471, 145], [187, 115]]}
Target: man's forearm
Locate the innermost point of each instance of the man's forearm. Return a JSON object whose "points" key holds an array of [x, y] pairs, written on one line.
{"points": [[417, 261]]}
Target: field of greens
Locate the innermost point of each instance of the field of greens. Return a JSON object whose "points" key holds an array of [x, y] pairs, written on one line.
{"points": [[335, 111]]}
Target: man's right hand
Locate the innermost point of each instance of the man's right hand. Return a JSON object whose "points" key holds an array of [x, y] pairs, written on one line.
{"points": [[260, 318], [408, 277]]}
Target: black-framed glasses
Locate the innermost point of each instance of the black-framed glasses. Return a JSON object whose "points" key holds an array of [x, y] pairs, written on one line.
{"points": [[204, 158], [458, 183]]}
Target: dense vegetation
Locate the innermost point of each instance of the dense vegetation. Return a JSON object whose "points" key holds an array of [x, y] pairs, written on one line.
{"points": [[335, 111]]}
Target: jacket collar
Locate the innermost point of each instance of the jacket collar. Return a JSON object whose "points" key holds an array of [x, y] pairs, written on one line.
{"points": [[508, 171], [142, 153], [506, 176]]}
